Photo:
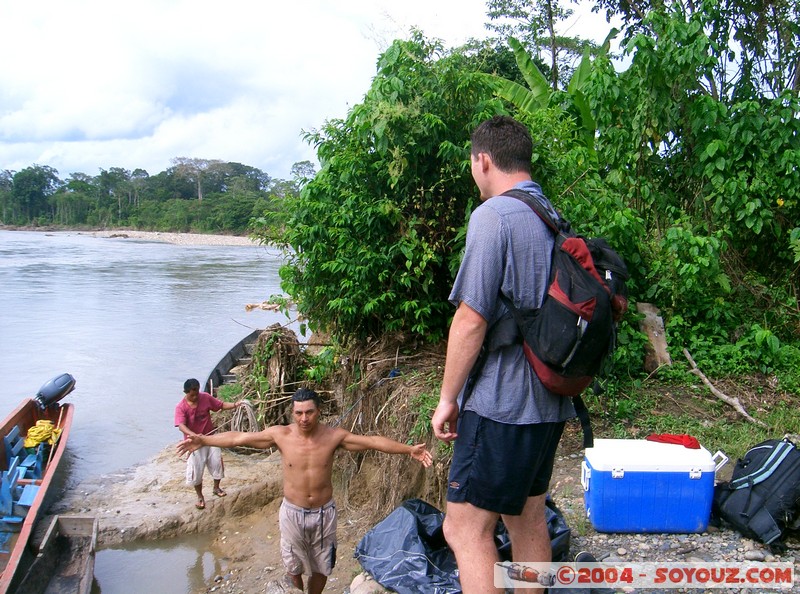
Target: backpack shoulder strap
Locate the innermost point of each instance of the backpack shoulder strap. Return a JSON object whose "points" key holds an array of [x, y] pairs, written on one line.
{"points": [[515, 311], [556, 225]]}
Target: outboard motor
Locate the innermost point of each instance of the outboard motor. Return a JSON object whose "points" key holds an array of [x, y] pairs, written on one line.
{"points": [[55, 390]]}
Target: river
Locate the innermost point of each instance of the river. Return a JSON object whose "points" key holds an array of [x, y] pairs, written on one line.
{"points": [[131, 320]]}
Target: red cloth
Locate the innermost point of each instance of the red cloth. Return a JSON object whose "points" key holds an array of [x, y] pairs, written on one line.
{"points": [[686, 441]]}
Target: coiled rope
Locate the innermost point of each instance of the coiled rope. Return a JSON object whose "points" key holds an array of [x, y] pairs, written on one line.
{"points": [[244, 418]]}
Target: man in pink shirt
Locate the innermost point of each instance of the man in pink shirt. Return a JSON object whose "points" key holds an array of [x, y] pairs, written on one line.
{"points": [[193, 417]]}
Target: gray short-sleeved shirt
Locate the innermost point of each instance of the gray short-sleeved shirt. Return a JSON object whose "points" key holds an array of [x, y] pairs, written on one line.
{"points": [[508, 249]]}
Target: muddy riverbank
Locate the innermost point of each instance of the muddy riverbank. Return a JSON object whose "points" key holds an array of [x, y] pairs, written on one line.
{"points": [[151, 502]]}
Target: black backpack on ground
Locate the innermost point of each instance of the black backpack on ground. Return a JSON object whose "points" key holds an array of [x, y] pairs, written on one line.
{"points": [[762, 499]]}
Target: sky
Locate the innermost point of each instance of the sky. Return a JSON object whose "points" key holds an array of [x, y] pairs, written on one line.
{"points": [[87, 85]]}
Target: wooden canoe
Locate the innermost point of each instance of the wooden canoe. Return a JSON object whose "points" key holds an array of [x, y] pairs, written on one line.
{"points": [[238, 355], [65, 563], [16, 554]]}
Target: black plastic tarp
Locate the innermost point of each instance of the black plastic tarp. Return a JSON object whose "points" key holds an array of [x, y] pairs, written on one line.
{"points": [[407, 552]]}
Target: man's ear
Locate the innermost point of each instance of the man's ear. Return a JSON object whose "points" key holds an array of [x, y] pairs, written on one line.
{"points": [[484, 161]]}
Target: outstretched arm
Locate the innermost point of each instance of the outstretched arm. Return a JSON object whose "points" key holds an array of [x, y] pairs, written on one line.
{"points": [[360, 443], [261, 439]]}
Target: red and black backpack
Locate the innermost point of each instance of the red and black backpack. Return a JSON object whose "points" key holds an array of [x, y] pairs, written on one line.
{"points": [[569, 337]]}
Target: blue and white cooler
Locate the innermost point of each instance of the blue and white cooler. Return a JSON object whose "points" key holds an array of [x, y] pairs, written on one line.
{"points": [[635, 485]]}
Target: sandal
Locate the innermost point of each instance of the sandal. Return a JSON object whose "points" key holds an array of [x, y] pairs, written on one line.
{"points": [[220, 492], [200, 504]]}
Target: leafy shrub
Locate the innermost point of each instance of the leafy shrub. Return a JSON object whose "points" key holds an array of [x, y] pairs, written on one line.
{"points": [[373, 238]]}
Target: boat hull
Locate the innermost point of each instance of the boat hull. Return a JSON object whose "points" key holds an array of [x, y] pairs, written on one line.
{"points": [[65, 563], [24, 416], [217, 376]]}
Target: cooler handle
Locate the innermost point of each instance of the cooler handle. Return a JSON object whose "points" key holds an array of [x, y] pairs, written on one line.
{"points": [[586, 474], [723, 460]]}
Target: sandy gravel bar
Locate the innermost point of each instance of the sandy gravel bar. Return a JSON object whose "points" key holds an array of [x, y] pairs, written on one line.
{"points": [[175, 238]]}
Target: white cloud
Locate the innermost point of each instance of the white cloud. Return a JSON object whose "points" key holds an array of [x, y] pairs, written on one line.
{"points": [[92, 84]]}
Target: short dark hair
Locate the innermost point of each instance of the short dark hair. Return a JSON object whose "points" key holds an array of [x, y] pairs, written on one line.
{"points": [[190, 384], [304, 394], [506, 141]]}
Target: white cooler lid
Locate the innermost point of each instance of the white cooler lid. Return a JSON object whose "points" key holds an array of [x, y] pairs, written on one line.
{"points": [[647, 456]]}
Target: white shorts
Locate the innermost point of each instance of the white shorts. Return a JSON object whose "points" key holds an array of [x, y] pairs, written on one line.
{"points": [[308, 538], [210, 456]]}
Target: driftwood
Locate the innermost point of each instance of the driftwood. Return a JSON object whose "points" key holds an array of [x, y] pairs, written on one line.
{"points": [[267, 306], [734, 402]]}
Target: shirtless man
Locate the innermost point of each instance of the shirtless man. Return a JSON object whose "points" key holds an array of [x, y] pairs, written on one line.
{"points": [[308, 513]]}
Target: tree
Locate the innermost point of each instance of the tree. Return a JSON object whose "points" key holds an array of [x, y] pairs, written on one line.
{"points": [[7, 211], [170, 184], [115, 184], [540, 96], [373, 238], [138, 181], [756, 43], [254, 179], [74, 199], [302, 172], [494, 56], [32, 187], [195, 170], [233, 210], [535, 25]]}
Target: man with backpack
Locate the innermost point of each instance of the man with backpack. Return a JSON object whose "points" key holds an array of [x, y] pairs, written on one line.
{"points": [[505, 424]]}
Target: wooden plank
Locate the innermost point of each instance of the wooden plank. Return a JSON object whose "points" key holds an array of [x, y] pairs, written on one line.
{"points": [[28, 495]]}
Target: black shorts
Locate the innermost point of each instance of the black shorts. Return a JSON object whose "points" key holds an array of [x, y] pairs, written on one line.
{"points": [[497, 466]]}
